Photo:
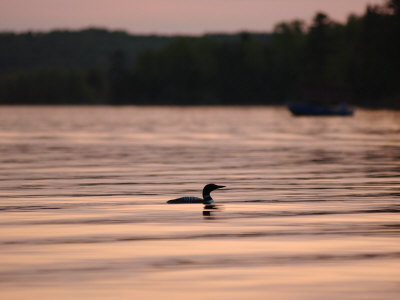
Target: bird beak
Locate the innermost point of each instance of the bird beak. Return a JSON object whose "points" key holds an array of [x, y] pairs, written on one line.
{"points": [[220, 186]]}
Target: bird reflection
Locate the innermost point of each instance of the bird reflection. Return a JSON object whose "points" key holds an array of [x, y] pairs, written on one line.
{"points": [[207, 213], [210, 209]]}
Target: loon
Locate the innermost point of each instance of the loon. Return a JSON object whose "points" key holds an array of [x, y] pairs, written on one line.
{"points": [[206, 196]]}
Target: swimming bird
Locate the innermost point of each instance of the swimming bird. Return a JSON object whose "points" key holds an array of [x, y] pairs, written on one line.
{"points": [[206, 196]]}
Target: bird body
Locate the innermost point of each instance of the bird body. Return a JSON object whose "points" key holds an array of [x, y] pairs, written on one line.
{"points": [[186, 200], [206, 196]]}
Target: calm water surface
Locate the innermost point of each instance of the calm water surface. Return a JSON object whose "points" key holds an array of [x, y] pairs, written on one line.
{"points": [[311, 208]]}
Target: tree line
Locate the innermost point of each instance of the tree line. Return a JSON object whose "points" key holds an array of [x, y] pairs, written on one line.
{"points": [[356, 62]]}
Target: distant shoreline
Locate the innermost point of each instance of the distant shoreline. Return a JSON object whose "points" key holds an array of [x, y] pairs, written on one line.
{"points": [[356, 63]]}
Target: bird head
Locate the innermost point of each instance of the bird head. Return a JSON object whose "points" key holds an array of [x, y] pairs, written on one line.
{"points": [[211, 187]]}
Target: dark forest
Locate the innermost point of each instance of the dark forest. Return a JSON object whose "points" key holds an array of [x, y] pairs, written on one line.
{"points": [[357, 62]]}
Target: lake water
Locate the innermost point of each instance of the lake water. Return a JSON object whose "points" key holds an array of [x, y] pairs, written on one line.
{"points": [[310, 211]]}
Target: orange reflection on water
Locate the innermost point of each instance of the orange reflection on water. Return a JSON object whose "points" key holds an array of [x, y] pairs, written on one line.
{"points": [[310, 210]]}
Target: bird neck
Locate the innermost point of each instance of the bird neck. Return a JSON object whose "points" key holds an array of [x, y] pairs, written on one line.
{"points": [[207, 197]]}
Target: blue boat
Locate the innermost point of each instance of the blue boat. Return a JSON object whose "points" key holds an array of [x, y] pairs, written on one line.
{"points": [[307, 109]]}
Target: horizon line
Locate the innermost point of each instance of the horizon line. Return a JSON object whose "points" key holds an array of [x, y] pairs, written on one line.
{"points": [[168, 34]]}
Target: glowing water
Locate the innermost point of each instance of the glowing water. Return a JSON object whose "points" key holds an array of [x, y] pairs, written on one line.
{"points": [[311, 208]]}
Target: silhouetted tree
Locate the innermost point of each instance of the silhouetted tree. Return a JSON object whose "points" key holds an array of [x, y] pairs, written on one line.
{"points": [[319, 47]]}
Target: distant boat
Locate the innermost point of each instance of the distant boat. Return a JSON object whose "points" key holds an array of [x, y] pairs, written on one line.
{"points": [[307, 109]]}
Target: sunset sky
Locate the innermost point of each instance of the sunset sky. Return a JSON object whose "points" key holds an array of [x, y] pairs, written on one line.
{"points": [[168, 16]]}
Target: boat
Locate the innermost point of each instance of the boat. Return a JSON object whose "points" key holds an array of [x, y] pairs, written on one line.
{"points": [[308, 109]]}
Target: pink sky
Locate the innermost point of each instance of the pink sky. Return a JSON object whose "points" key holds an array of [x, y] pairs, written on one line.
{"points": [[168, 16]]}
